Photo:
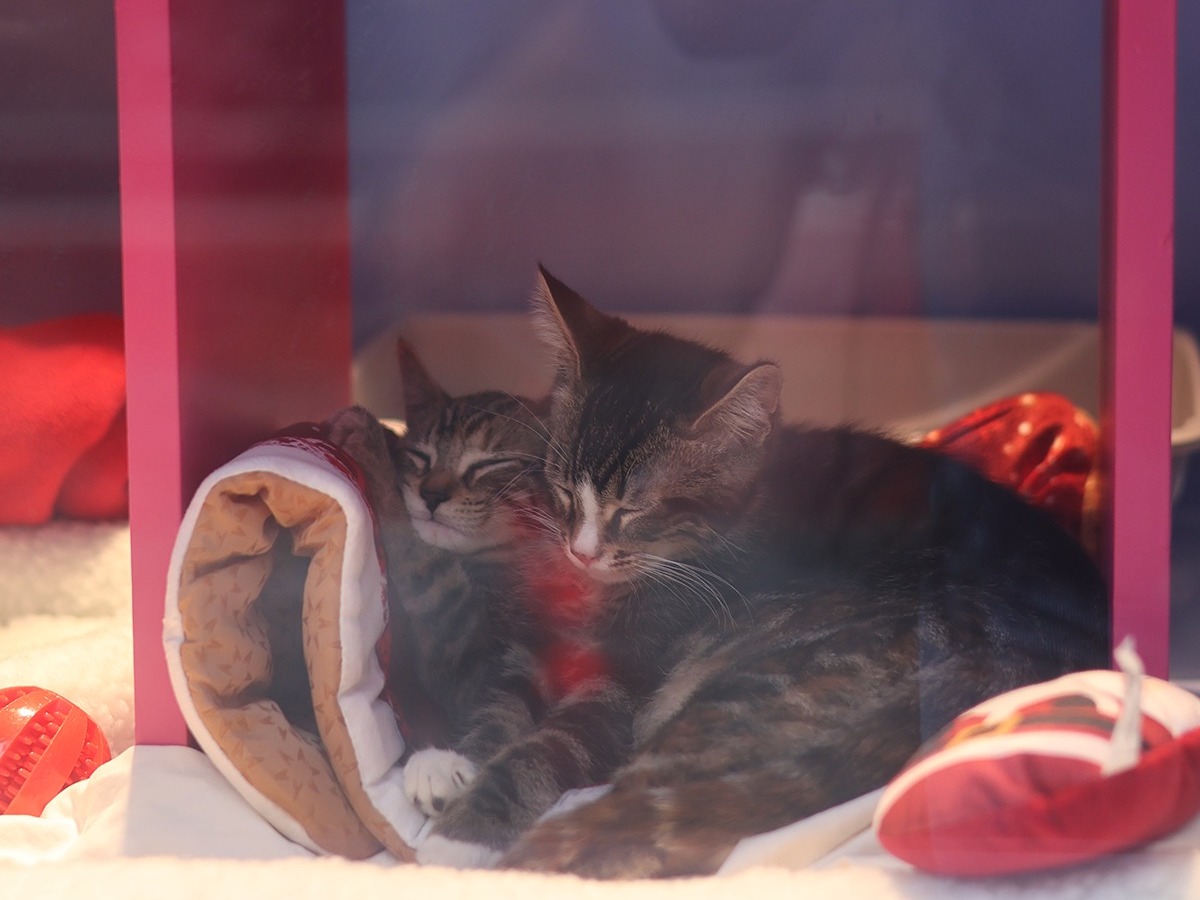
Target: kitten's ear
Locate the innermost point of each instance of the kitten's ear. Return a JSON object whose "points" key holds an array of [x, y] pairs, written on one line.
{"points": [[744, 405], [421, 393], [576, 331]]}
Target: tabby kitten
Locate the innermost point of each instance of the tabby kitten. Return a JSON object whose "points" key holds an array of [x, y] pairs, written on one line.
{"points": [[785, 612], [454, 496]]}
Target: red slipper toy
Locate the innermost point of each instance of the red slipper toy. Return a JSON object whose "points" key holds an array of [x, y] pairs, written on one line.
{"points": [[46, 743]]}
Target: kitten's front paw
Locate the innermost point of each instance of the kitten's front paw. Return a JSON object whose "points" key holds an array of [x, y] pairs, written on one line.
{"points": [[437, 850], [432, 778]]}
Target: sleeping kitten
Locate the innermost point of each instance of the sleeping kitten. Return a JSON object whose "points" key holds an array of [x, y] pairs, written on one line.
{"points": [[457, 498], [785, 613]]}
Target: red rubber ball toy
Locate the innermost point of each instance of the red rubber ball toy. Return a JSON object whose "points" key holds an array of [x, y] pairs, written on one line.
{"points": [[46, 743]]}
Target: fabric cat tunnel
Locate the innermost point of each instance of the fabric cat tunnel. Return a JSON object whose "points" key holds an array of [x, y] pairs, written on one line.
{"points": [[275, 625]]}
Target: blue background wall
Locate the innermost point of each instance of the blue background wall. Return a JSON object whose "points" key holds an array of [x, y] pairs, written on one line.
{"points": [[927, 156]]}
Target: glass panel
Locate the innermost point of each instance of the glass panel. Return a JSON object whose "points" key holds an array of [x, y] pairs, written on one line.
{"points": [[1185, 561]]}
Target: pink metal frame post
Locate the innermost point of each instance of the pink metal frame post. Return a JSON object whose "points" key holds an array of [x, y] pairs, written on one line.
{"points": [[235, 226], [152, 356], [1139, 150]]}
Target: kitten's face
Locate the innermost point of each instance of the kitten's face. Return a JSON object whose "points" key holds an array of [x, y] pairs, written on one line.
{"points": [[468, 465], [655, 445], [656, 501]]}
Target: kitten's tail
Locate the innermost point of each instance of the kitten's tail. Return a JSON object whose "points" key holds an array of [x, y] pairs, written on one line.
{"points": [[624, 835], [678, 826]]}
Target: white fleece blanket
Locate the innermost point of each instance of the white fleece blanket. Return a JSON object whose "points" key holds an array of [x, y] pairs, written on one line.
{"points": [[159, 822]]}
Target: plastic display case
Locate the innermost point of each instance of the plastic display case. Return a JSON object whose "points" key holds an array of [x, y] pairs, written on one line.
{"points": [[256, 146]]}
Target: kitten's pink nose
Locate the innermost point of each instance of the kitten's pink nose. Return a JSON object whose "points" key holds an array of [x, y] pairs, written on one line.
{"points": [[582, 558]]}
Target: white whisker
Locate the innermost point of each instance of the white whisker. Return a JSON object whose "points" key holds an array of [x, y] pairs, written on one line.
{"points": [[520, 401], [725, 542], [701, 583], [544, 521], [515, 480]]}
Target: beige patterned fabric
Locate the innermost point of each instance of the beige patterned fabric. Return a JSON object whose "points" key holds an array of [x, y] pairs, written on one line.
{"points": [[258, 601]]}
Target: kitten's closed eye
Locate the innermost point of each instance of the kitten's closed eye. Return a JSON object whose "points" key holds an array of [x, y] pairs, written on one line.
{"points": [[420, 458], [623, 516], [565, 497], [488, 466]]}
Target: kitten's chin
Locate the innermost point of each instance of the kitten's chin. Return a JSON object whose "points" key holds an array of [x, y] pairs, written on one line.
{"points": [[607, 577], [446, 537]]}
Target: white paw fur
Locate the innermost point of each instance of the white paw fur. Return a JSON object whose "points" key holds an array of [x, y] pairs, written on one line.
{"points": [[436, 850], [432, 778]]}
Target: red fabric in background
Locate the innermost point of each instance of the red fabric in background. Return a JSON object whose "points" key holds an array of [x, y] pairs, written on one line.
{"points": [[62, 420], [1040, 445]]}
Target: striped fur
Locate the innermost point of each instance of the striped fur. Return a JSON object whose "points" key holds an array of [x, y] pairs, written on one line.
{"points": [[784, 613], [469, 631]]}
